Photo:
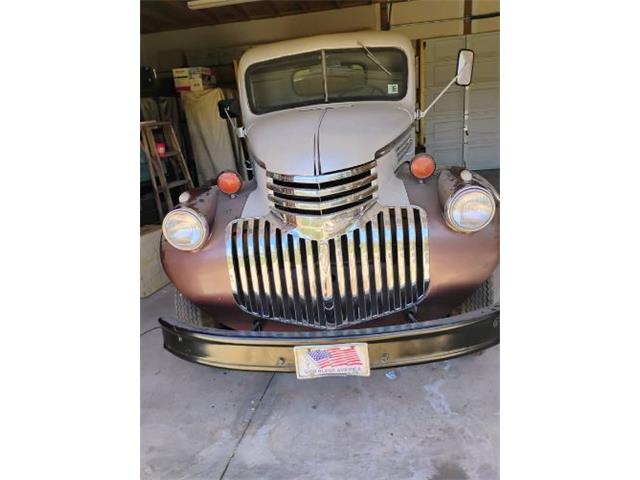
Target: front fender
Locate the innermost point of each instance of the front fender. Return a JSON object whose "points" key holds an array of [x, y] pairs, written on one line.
{"points": [[459, 263]]}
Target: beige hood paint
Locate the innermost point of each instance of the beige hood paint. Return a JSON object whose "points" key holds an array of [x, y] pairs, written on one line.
{"points": [[324, 139]]}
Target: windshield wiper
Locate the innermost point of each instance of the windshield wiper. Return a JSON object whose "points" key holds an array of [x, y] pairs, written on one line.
{"points": [[374, 59]]}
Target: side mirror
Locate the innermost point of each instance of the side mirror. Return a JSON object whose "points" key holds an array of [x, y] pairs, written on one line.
{"points": [[465, 67], [229, 108], [462, 78]]}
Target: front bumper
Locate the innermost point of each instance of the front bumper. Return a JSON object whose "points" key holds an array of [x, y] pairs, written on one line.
{"points": [[389, 346]]}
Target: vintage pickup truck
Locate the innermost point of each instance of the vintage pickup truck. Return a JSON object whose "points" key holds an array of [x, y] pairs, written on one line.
{"points": [[348, 250]]}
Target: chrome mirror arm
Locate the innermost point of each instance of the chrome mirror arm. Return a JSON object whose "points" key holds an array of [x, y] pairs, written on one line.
{"points": [[423, 113]]}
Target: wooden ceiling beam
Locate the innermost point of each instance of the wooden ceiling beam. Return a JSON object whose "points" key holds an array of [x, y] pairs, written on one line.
{"points": [[240, 8], [384, 16], [468, 11], [273, 6], [215, 16], [157, 16], [205, 16]]}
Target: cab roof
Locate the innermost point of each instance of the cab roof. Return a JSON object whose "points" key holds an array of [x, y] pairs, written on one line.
{"points": [[369, 38]]}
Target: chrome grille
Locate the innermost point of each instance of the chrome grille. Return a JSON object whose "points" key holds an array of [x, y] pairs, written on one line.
{"points": [[323, 194], [380, 267]]}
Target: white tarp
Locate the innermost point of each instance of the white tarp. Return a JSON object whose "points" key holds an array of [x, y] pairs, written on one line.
{"points": [[210, 139]]}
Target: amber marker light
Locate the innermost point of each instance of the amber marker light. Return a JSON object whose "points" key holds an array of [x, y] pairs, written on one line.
{"points": [[422, 166], [229, 182]]}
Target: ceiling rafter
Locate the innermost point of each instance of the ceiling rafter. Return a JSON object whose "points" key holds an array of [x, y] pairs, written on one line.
{"points": [[273, 6], [164, 15], [240, 8], [159, 16], [303, 6], [207, 15]]}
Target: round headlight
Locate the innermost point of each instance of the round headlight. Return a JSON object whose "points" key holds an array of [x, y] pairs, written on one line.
{"points": [[469, 209], [185, 229]]}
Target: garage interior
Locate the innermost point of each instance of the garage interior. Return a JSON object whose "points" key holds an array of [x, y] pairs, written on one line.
{"points": [[436, 421]]}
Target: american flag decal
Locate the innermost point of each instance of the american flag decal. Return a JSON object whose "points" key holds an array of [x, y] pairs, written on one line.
{"points": [[335, 357]]}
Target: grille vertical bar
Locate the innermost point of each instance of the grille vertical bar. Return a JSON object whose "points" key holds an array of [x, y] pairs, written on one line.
{"points": [[377, 268], [300, 277], [311, 275], [402, 297], [318, 276], [253, 271], [413, 258], [364, 271], [288, 275], [263, 271], [353, 275], [232, 263], [342, 285], [326, 280], [247, 280], [274, 259]]}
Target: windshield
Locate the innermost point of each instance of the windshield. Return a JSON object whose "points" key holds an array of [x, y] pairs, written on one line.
{"points": [[327, 76]]}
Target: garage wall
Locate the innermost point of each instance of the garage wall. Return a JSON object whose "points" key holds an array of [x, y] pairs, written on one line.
{"points": [[425, 10], [482, 143], [486, 24], [445, 121], [444, 138], [221, 43], [406, 18], [162, 50]]}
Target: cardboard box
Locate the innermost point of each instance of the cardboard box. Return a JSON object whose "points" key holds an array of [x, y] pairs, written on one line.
{"points": [[194, 79], [152, 276]]}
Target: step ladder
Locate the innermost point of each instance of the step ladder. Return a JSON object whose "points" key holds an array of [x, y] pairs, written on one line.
{"points": [[158, 163]]}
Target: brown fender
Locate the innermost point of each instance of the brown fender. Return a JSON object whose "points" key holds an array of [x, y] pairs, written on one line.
{"points": [[459, 262]]}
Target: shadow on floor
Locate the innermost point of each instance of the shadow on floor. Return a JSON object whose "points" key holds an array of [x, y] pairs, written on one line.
{"points": [[432, 421]]}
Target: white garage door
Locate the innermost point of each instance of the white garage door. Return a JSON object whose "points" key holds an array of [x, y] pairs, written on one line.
{"points": [[444, 124]]}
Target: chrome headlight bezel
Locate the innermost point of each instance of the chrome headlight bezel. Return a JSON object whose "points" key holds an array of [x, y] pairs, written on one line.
{"points": [[194, 215], [450, 205]]}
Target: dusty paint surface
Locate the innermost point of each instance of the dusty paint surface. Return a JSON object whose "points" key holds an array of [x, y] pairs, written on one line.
{"points": [[437, 421]]}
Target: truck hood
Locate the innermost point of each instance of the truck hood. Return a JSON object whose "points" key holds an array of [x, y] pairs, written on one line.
{"points": [[321, 140]]}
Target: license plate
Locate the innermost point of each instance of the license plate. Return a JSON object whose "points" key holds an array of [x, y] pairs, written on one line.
{"points": [[341, 360]]}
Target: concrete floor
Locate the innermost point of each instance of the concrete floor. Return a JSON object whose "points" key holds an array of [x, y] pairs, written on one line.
{"points": [[437, 421]]}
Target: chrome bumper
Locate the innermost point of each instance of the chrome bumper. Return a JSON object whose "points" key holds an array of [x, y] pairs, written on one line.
{"points": [[390, 346]]}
